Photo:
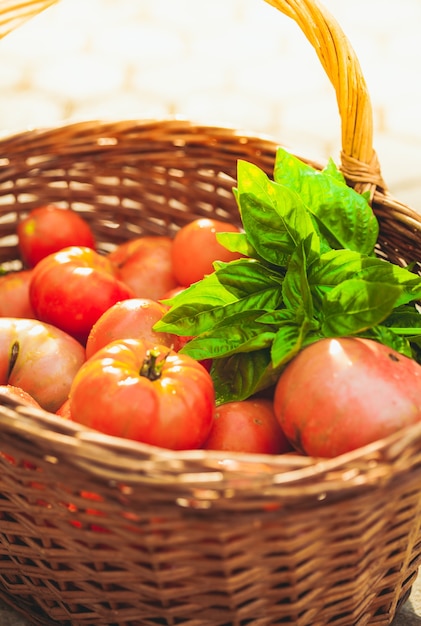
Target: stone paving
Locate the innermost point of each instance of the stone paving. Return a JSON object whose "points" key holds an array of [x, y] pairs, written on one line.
{"points": [[234, 62]]}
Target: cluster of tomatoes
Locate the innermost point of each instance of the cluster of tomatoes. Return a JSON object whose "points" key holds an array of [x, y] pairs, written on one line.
{"points": [[77, 338]]}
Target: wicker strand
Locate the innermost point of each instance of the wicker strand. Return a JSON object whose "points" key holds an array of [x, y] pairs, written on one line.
{"points": [[344, 72], [364, 176], [14, 13]]}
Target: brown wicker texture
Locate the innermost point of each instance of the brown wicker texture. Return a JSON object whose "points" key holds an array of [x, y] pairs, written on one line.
{"points": [[14, 13], [98, 531]]}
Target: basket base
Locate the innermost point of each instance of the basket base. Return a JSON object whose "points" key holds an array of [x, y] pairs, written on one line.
{"points": [[16, 611]]}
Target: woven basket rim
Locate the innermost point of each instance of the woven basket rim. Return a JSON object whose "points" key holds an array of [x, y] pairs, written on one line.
{"points": [[99, 129], [136, 463]]}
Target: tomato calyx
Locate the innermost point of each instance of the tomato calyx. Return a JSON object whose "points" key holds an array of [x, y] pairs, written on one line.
{"points": [[151, 366], [14, 353]]}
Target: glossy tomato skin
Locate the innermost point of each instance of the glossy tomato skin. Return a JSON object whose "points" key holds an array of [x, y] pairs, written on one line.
{"points": [[175, 410], [64, 410], [145, 265], [48, 229], [340, 394], [248, 426], [72, 288], [40, 359], [195, 248], [20, 395], [14, 294], [132, 318], [172, 293]]}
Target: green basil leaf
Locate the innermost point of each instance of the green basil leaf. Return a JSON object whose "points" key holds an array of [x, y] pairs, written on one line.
{"points": [[277, 243], [236, 242], [237, 333], [382, 271], [234, 287], [344, 217], [195, 309], [287, 342], [278, 317], [332, 268], [337, 266], [246, 277], [386, 336], [405, 316], [332, 170], [296, 291], [240, 376], [405, 324], [273, 216], [355, 305]]}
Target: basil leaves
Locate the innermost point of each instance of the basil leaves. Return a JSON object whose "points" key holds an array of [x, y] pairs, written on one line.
{"points": [[309, 271]]}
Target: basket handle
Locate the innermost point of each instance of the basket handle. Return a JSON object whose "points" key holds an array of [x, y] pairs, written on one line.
{"points": [[13, 13], [359, 162]]}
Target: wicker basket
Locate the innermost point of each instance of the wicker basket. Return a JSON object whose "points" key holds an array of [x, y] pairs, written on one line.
{"points": [[102, 531]]}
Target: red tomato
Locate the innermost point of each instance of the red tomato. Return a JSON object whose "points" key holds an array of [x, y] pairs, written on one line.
{"points": [[39, 358], [247, 426], [134, 389], [14, 294], [48, 229], [20, 395], [195, 248], [72, 288], [172, 292], [340, 394], [64, 410], [133, 319], [145, 265]]}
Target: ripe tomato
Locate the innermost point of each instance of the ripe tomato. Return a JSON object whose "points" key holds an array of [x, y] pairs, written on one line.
{"points": [[247, 426], [64, 410], [145, 265], [48, 229], [14, 294], [72, 288], [20, 395], [195, 248], [137, 390], [133, 319], [172, 292], [39, 358], [340, 394]]}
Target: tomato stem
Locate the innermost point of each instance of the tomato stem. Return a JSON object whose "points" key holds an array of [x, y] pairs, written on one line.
{"points": [[151, 367], [14, 353]]}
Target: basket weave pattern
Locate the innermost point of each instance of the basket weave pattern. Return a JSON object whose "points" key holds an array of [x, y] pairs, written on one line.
{"points": [[98, 531]]}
